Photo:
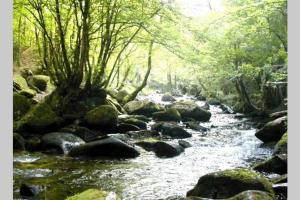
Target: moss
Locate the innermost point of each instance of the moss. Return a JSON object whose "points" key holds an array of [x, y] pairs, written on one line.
{"points": [[39, 118], [20, 81], [281, 146], [253, 195], [104, 115], [20, 105], [41, 81], [28, 92], [139, 123], [90, 194]]}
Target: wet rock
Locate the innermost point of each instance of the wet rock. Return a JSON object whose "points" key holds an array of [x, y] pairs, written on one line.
{"points": [[195, 126], [189, 109], [143, 107], [34, 144], [123, 117], [281, 146], [169, 115], [21, 105], [161, 149], [106, 147], [226, 109], [40, 81], [206, 106], [104, 116], [280, 179], [62, 142], [184, 144], [94, 194], [227, 183], [18, 142], [273, 130], [29, 190], [279, 114], [123, 137], [174, 198], [168, 97], [246, 195], [29, 93], [82, 132], [172, 130], [124, 127], [201, 98], [214, 102], [277, 164], [143, 134], [39, 119], [281, 190], [136, 122]]}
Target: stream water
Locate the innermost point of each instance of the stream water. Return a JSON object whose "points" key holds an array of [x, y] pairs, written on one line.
{"points": [[229, 143]]}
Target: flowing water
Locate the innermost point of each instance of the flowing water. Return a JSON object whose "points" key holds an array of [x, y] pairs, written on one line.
{"points": [[229, 143]]}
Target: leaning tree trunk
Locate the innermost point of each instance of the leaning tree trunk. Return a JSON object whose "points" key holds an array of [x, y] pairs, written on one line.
{"points": [[133, 95]]}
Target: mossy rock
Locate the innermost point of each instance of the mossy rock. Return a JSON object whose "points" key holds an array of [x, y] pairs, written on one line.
{"points": [[102, 116], [136, 122], [28, 92], [171, 114], [144, 107], [20, 81], [227, 183], [281, 146], [41, 81], [94, 194], [20, 105], [277, 164], [39, 119]]}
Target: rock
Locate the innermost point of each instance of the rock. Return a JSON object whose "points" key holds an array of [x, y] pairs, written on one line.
{"points": [[106, 147], [80, 131], [172, 130], [189, 109], [281, 190], [277, 164], [206, 106], [123, 137], [246, 195], [21, 105], [123, 128], [168, 97], [184, 144], [273, 130], [195, 126], [226, 109], [102, 116], [62, 142], [176, 197], [279, 114], [121, 95], [34, 144], [39, 119], [136, 122], [161, 149], [213, 102], [143, 107], [40, 81], [143, 118], [201, 97], [281, 146], [227, 183], [30, 93], [169, 115], [29, 190], [23, 86], [94, 194], [143, 134], [18, 142], [280, 179]]}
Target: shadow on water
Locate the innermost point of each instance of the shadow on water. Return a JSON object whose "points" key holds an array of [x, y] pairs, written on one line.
{"points": [[229, 143]]}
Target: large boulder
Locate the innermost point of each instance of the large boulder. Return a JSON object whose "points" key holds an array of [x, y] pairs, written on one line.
{"points": [[227, 183], [106, 147], [273, 130], [104, 116], [40, 81], [94, 194], [61, 142], [277, 164], [281, 146], [161, 149], [21, 105], [143, 107], [172, 130], [169, 115], [168, 97], [40, 118], [189, 109]]}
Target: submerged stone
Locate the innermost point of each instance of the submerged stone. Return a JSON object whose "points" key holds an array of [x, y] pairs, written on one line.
{"points": [[94, 194]]}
